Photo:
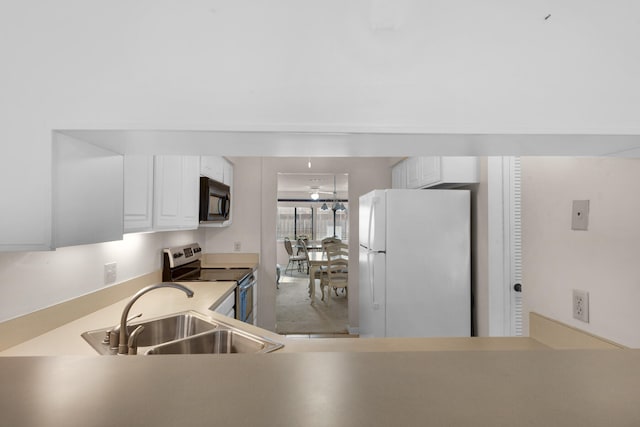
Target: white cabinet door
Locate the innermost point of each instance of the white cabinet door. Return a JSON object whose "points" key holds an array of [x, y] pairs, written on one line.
{"points": [[212, 167], [138, 193], [227, 307], [176, 186], [414, 172], [190, 191], [430, 172], [448, 172], [399, 175]]}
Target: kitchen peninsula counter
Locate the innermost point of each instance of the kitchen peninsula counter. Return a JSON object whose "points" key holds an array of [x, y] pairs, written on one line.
{"points": [[482, 388], [312, 382]]}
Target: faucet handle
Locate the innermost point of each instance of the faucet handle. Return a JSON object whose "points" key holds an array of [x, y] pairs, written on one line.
{"points": [[112, 335], [133, 340]]}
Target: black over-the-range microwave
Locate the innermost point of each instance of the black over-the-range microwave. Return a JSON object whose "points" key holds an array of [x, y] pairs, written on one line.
{"points": [[215, 201]]}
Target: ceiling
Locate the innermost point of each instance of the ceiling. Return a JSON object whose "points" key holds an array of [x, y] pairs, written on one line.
{"points": [[294, 185]]}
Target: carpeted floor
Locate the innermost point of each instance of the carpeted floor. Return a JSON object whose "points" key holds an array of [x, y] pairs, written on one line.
{"points": [[296, 315]]}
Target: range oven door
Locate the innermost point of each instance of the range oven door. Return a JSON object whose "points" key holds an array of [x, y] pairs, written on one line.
{"points": [[244, 299]]}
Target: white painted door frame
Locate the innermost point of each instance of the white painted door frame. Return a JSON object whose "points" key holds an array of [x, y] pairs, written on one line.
{"points": [[504, 245]]}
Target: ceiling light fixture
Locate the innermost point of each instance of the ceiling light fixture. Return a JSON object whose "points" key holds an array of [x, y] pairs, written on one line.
{"points": [[337, 205], [315, 195]]}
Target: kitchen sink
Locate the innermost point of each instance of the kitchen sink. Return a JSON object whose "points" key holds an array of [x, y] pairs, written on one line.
{"points": [[220, 341], [184, 333], [156, 331]]}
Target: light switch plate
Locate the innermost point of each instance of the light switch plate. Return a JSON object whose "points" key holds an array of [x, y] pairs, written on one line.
{"points": [[580, 215]]}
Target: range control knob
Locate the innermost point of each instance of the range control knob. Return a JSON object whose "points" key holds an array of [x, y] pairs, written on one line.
{"points": [[177, 255]]}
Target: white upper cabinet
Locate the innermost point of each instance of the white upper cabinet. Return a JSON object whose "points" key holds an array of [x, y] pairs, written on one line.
{"points": [[87, 193], [138, 193], [212, 167], [217, 168], [429, 171], [399, 175], [190, 191], [176, 192]]}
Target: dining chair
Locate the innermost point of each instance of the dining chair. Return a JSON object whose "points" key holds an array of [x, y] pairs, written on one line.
{"points": [[305, 254], [337, 270], [328, 240], [294, 259]]}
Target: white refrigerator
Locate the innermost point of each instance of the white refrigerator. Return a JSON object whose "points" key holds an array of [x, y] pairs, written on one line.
{"points": [[414, 263]]}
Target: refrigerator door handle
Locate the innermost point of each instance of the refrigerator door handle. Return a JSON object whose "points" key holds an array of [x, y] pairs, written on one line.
{"points": [[372, 276], [373, 204]]}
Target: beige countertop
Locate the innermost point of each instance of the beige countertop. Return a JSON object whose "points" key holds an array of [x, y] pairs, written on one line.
{"points": [[230, 260], [476, 388], [410, 344], [312, 382], [66, 339]]}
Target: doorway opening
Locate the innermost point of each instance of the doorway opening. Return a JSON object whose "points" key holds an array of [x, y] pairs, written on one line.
{"points": [[311, 207]]}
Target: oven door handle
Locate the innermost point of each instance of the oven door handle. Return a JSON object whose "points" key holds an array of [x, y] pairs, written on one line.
{"points": [[247, 285]]}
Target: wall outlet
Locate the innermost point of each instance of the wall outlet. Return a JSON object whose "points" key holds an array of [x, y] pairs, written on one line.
{"points": [[581, 305], [110, 273], [236, 246]]}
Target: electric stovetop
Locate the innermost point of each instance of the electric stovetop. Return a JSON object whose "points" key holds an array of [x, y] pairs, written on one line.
{"points": [[224, 274], [182, 263]]}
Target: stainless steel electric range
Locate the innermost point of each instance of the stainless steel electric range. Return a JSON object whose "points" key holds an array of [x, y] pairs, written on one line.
{"points": [[183, 264]]}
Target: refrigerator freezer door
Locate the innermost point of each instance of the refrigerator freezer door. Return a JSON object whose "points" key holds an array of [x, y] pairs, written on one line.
{"points": [[372, 294], [372, 214]]}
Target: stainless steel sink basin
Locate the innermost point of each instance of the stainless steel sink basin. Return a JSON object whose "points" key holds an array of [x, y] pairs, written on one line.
{"points": [[156, 331], [219, 341], [185, 333]]}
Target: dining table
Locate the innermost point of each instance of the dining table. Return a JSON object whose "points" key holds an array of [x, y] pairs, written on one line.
{"points": [[311, 246]]}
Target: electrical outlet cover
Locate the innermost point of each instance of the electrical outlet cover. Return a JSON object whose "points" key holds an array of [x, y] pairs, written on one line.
{"points": [[581, 305]]}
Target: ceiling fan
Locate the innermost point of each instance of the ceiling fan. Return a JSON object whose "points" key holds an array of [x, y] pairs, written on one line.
{"points": [[337, 205], [315, 193]]}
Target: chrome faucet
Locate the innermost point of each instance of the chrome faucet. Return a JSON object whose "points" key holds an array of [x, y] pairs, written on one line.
{"points": [[122, 346]]}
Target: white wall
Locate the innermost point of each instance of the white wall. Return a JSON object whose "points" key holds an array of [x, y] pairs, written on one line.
{"points": [[245, 206], [462, 66], [30, 281], [604, 260]]}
